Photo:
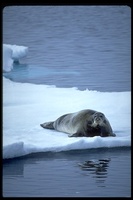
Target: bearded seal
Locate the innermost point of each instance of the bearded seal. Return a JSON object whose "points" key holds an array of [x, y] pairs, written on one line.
{"points": [[87, 123]]}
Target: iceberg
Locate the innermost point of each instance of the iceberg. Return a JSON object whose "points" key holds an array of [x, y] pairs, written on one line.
{"points": [[11, 54]]}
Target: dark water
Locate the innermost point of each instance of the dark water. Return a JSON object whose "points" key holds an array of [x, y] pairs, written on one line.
{"points": [[84, 47], [87, 173], [72, 46]]}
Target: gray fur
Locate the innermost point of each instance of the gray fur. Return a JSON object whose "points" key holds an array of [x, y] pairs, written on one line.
{"points": [[88, 123]]}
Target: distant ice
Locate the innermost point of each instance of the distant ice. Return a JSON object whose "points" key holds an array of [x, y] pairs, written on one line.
{"points": [[12, 53]]}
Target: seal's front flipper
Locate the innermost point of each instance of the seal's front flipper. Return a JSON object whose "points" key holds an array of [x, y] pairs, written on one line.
{"points": [[71, 135], [113, 135], [75, 135], [48, 125]]}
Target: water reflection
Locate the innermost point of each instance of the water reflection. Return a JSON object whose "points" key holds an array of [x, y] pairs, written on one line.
{"points": [[97, 168], [10, 169]]}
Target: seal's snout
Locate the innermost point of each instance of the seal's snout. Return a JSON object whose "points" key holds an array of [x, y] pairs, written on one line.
{"points": [[98, 120]]}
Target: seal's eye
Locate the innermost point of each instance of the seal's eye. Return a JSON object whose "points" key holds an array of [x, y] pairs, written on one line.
{"points": [[89, 123], [101, 116]]}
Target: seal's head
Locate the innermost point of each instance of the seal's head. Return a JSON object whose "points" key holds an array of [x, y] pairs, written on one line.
{"points": [[98, 119]]}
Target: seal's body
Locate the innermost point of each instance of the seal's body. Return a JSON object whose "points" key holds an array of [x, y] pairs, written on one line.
{"points": [[88, 123]]}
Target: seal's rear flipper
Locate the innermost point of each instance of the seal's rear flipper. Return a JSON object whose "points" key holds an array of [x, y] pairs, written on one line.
{"points": [[48, 125]]}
